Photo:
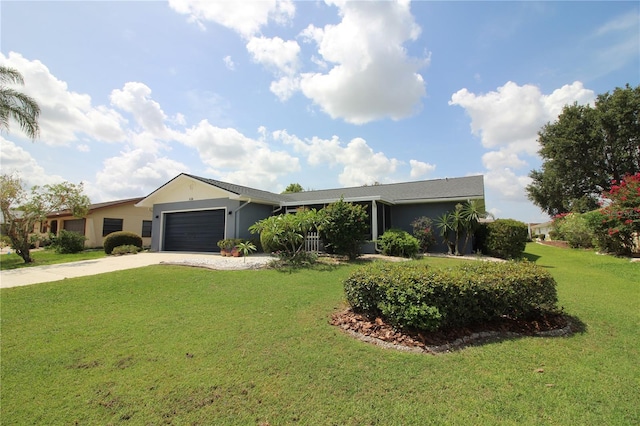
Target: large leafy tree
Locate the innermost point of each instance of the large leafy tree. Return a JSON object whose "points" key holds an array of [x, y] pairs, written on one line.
{"points": [[22, 210], [292, 188], [585, 149], [16, 105]]}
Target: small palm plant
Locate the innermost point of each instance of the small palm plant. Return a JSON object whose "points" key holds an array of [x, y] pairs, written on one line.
{"points": [[245, 248]]}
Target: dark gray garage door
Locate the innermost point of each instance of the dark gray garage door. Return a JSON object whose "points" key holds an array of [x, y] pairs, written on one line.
{"points": [[197, 231]]}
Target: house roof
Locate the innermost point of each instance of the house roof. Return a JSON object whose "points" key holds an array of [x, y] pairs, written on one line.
{"points": [[448, 189], [98, 206], [240, 190]]}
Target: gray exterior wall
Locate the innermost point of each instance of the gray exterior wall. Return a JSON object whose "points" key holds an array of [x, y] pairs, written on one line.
{"points": [[247, 215], [402, 216]]}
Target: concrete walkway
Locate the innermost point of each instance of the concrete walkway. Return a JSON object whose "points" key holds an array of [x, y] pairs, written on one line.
{"points": [[48, 273]]}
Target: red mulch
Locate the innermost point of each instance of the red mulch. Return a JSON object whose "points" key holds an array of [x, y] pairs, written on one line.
{"points": [[377, 331]]}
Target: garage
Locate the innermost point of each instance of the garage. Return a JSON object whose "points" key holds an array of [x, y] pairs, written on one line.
{"points": [[196, 231]]}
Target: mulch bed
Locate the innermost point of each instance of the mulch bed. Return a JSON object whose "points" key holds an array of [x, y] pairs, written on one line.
{"points": [[377, 332]]}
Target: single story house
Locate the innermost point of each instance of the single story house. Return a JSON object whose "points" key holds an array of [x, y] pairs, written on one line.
{"points": [[192, 213], [541, 229], [103, 219]]}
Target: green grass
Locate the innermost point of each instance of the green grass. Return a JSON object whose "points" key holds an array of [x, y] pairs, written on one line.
{"points": [[46, 257], [112, 349]]}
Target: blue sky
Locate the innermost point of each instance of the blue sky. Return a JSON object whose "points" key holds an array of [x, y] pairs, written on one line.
{"points": [[327, 94]]}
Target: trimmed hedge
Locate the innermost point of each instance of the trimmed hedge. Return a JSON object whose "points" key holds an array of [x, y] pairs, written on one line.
{"points": [[128, 249], [121, 238], [506, 238], [396, 242], [420, 297]]}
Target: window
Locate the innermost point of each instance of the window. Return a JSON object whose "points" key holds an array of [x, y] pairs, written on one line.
{"points": [[74, 225], [111, 225], [146, 228]]}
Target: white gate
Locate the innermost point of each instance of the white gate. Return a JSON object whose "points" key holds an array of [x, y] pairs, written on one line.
{"points": [[313, 243]]}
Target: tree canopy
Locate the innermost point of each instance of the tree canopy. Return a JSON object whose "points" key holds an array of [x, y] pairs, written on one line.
{"points": [[586, 149], [293, 187], [15, 104], [22, 210]]}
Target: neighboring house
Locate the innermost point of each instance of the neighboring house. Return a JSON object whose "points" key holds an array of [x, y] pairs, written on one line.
{"points": [[103, 219], [192, 213], [541, 229]]}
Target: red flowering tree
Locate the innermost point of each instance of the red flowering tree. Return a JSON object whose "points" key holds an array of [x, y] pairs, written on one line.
{"points": [[622, 213]]}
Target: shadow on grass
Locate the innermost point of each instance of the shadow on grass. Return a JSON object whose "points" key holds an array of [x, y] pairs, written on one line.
{"points": [[531, 257], [576, 324]]}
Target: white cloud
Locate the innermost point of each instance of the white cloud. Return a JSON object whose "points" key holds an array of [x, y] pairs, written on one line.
{"points": [[65, 115], [515, 113], [246, 17], [230, 154], [133, 173], [228, 62], [420, 169], [285, 87], [621, 24], [503, 158], [364, 166], [508, 184], [16, 160], [360, 163], [507, 122], [275, 52], [135, 98], [372, 77], [282, 58]]}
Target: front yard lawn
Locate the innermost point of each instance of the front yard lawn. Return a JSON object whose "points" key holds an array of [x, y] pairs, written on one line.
{"points": [[179, 345], [46, 257]]}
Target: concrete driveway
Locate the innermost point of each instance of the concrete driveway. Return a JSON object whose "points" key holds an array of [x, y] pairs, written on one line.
{"points": [[48, 273]]}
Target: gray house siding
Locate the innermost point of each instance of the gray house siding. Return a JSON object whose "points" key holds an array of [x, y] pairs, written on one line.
{"points": [[402, 216], [247, 215]]}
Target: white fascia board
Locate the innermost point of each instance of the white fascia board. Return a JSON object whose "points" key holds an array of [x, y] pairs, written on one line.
{"points": [[438, 200], [333, 200]]}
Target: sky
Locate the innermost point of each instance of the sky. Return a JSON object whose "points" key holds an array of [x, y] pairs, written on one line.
{"points": [[326, 94]]}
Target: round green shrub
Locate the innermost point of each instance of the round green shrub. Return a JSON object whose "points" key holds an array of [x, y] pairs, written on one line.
{"points": [[121, 238], [506, 238], [68, 242], [396, 242], [419, 297]]}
